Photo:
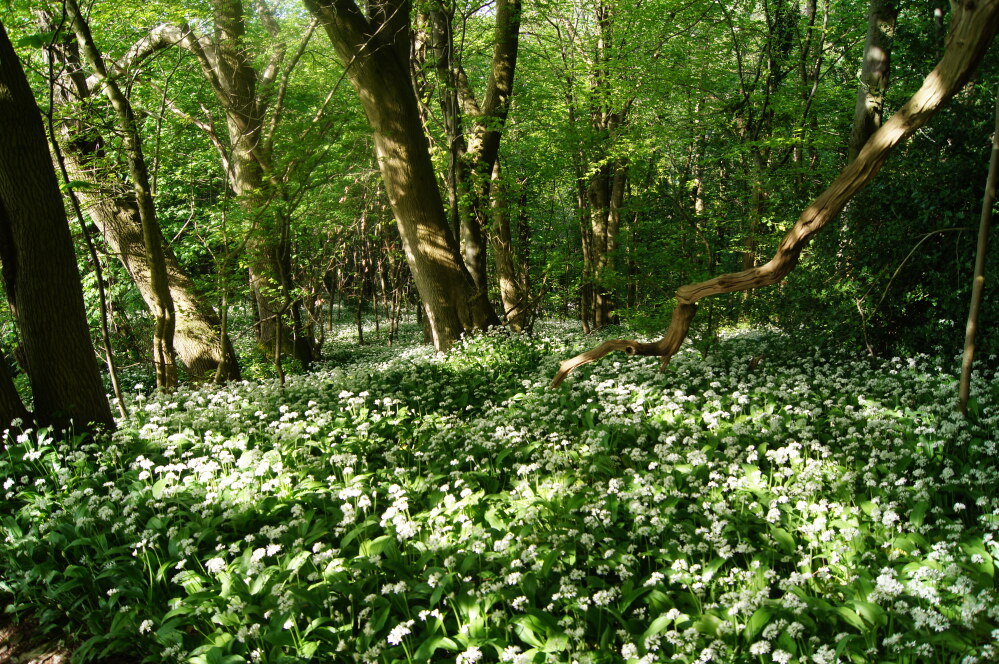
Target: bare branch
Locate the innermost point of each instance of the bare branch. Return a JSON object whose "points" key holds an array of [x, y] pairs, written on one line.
{"points": [[973, 28]]}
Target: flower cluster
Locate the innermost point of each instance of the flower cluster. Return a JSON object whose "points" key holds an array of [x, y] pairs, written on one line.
{"points": [[812, 507]]}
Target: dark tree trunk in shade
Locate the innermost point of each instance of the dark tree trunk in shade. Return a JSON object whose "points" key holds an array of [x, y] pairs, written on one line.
{"points": [[874, 74], [11, 407], [39, 265]]}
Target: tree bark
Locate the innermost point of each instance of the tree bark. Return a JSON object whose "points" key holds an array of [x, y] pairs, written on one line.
{"points": [[475, 154], [978, 282], [606, 175], [39, 265], [874, 75], [243, 94], [12, 409], [160, 301], [375, 51], [198, 340], [973, 28], [512, 276], [235, 83], [605, 196]]}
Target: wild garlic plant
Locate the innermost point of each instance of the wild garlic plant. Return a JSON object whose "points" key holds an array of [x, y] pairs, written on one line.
{"points": [[408, 507]]}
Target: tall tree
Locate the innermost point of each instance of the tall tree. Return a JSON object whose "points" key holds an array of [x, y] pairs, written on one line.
{"points": [[251, 108], [39, 265], [473, 131], [608, 171], [374, 47], [160, 300], [199, 343], [874, 74]]}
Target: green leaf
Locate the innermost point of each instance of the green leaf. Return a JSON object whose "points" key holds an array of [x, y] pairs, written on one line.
{"points": [[556, 643], [295, 563], [757, 622], [708, 624], [77, 185], [376, 546], [918, 513], [260, 581], [850, 616], [493, 519], [534, 627], [783, 538], [37, 40], [984, 563], [870, 612], [657, 626], [431, 645]]}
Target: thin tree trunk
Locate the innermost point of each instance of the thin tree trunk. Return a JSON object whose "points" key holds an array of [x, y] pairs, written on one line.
{"points": [[874, 74], [200, 343], [972, 30], [102, 294], [162, 302], [978, 285]]}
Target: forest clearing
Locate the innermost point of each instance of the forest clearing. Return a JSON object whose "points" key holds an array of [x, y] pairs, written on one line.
{"points": [[582, 331]]}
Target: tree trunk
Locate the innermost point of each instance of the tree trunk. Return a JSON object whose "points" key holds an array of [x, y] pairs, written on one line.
{"points": [[972, 30], [199, 344], [160, 301], [874, 74], [601, 190], [234, 81], [605, 195], [978, 282], [476, 155], [513, 293], [375, 51], [197, 336], [242, 92], [39, 265], [12, 408]]}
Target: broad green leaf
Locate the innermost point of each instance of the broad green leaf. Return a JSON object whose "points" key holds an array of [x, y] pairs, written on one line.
{"points": [[756, 623]]}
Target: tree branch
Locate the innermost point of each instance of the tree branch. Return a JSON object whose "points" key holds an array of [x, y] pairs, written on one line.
{"points": [[973, 27]]}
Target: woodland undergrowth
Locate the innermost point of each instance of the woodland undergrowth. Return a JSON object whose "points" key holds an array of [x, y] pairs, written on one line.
{"points": [[767, 502]]}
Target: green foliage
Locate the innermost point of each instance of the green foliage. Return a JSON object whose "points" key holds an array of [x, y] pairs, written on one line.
{"points": [[414, 507]]}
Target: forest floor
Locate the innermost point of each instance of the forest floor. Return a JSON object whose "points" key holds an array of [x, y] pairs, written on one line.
{"points": [[763, 501], [19, 644]]}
